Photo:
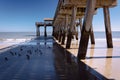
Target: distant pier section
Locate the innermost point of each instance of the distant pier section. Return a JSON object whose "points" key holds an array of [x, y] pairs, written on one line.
{"points": [[47, 22]]}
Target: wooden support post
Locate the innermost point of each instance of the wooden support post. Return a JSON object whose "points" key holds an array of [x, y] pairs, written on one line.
{"points": [[92, 36], [45, 32], [60, 35], [57, 32], [86, 29], [63, 38], [108, 27], [76, 33], [63, 35], [37, 31], [80, 22], [91, 33], [69, 39], [53, 33], [71, 29], [65, 27]]}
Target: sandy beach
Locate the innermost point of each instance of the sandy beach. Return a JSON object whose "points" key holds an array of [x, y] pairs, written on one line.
{"points": [[102, 59]]}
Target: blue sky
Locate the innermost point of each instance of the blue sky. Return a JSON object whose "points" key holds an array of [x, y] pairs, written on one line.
{"points": [[21, 15]]}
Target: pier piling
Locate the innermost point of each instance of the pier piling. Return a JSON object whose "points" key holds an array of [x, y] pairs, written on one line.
{"points": [[72, 27], [86, 29], [45, 32], [37, 31], [108, 27]]}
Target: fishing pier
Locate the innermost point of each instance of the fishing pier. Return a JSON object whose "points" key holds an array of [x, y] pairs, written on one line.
{"points": [[56, 57], [73, 13]]}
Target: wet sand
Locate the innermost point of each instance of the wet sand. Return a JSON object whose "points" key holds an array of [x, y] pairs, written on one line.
{"points": [[5, 45], [103, 60], [38, 59], [44, 59]]}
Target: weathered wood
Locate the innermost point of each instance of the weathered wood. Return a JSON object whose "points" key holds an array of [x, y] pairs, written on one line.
{"points": [[53, 33], [80, 22], [76, 32], [37, 31], [57, 35], [60, 35], [65, 28], [57, 32], [45, 32], [63, 37], [76, 35], [99, 3], [69, 38], [108, 27], [91, 33], [72, 27], [43, 23], [86, 29], [92, 36]]}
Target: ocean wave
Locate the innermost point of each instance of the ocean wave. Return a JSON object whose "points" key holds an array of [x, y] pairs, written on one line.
{"points": [[15, 40]]}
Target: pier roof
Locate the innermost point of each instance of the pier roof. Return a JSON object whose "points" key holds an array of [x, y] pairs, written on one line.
{"points": [[47, 22], [48, 19]]}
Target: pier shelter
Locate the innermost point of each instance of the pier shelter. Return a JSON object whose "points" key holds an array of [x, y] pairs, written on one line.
{"points": [[47, 22]]}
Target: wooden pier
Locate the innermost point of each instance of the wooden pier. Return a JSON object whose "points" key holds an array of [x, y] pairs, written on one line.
{"points": [[70, 13], [47, 22]]}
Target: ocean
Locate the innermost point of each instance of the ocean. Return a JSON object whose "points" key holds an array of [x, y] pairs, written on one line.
{"points": [[23, 36]]}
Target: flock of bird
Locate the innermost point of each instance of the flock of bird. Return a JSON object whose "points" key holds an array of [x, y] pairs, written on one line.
{"points": [[25, 51]]}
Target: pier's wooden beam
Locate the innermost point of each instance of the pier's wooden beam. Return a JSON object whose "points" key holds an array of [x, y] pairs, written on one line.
{"points": [[53, 32], [76, 35], [86, 29], [63, 32], [65, 29], [59, 32], [63, 37], [57, 36], [60, 35], [56, 32], [80, 23], [91, 33], [82, 3], [45, 32], [72, 25], [108, 27], [92, 36], [37, 31]]}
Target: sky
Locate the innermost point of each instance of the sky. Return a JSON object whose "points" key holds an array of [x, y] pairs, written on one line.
{"points": [[21, 15]]}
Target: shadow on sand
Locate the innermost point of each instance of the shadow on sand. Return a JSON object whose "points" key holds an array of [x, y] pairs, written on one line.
{"points": [[67, 64]]}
